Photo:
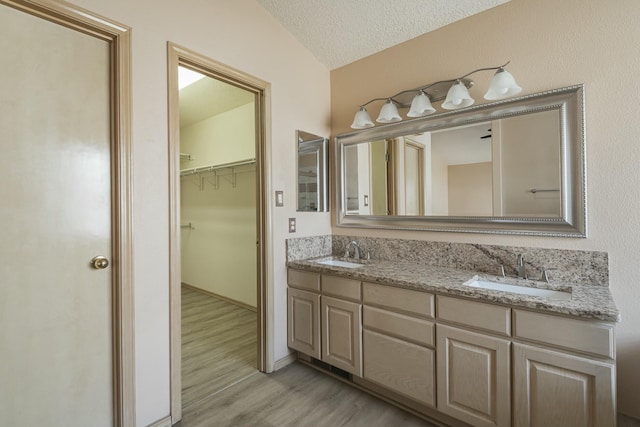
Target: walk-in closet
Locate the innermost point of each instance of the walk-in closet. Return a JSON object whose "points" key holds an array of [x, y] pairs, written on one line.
{"points": [[218, 235]]}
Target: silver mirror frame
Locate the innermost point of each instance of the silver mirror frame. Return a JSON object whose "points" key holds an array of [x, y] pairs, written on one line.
{"points": [[573, 222]]}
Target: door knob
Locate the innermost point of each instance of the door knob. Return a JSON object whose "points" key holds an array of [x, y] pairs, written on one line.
{"points": [[99, 262]]}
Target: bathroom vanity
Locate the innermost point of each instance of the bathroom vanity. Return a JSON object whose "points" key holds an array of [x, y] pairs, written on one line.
{"points": [[434, 341]]}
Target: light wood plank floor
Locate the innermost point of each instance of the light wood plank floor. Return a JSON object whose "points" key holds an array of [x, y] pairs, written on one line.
{"points": [[295, 396], [219, 345]]}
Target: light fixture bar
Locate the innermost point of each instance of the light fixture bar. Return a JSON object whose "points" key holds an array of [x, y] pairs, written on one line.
{"points": [[454, 92]]}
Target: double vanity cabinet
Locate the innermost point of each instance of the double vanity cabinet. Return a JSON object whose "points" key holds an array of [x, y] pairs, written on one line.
{"points": [[454, 358]]}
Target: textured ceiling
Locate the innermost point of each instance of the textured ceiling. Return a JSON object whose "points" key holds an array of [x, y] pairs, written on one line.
{"points": [[339, 32]]}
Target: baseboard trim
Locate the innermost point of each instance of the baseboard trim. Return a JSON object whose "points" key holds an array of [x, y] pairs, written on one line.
{"points": [[627, 420], [227, 299], [287, 360], [165, 422]]}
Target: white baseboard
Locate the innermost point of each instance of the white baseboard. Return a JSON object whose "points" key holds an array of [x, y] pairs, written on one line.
{"points": [[287, 360]]}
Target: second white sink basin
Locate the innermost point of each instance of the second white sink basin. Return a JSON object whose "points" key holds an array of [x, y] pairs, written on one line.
{"points": [[523, 290], [338, 263]]}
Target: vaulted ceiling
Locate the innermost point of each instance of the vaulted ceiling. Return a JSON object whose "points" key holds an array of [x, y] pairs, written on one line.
{"points": [[339, 32]]}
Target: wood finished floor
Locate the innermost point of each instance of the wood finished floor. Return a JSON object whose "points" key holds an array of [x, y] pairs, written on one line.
{"points": [[295, 396], [218, 345]]}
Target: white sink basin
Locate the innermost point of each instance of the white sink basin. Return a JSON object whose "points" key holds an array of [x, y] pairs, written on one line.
{"points": [[523, 290], [338, 263]]}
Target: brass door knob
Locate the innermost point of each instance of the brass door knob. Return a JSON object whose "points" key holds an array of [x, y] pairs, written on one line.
{"points": [[99, 262]]}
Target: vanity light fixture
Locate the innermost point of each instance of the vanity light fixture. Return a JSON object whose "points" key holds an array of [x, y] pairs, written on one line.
{"points": [[502, 85], [389, 113]]}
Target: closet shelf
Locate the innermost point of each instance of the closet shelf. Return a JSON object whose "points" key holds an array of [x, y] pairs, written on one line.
{"points": [[212, 168]]}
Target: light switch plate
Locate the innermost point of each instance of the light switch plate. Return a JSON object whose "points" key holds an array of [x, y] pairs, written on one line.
{"points": [[279, 198], [292, 225]]}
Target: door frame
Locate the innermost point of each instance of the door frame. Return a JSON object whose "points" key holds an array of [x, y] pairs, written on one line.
{"points": [[118, 37], [178, 55]]}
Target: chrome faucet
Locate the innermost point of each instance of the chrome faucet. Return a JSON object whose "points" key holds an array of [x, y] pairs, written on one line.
{"points": [[356, 250], [521, 266]]}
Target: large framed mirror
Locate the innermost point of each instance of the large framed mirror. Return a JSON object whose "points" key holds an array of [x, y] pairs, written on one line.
{"points": [[312, 172], [508, 167]]}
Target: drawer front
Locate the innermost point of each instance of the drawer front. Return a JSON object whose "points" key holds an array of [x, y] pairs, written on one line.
{"points": [[414, 329], [398, 299], [478, 315], [341, 287], [303, 280], [400, 366], [580, 335]]}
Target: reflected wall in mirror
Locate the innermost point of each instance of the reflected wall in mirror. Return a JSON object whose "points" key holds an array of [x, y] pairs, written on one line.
{"points": [[312, 172], [513, 166]]}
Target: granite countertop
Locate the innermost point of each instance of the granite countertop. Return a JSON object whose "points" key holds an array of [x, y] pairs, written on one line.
{"points": [[587, 301]]}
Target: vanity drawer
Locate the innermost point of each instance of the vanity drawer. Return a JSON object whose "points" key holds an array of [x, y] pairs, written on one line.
{"points": [[303, 280], [341, 287], [585, 336], [413, 329], [398, 299], [478, 315]]}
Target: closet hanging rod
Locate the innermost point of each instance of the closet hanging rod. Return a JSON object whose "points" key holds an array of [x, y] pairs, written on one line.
{"points": [[211, 168], [537, 190]]}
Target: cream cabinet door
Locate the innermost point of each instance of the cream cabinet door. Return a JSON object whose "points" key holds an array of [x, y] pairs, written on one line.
{"points": [[557, 389], [473, 377], [303, 323], [342, 334], [398, 365]]}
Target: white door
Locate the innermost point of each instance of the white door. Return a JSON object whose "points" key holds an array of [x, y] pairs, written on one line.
{"points": [[55, 211]]}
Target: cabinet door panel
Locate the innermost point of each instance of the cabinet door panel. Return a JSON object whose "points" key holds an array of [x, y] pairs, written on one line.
{"points": [[553, 388], [342, 334], [303, 323], [400, 366], [473, 377]]}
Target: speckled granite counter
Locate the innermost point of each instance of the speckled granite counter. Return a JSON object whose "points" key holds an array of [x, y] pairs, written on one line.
{"points": [[587, 301]]}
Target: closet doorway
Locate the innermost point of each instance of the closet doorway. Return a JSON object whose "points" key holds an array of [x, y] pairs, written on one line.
{"points": [[217, 229]]}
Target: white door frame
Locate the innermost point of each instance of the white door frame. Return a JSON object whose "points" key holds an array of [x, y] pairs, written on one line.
{"points": [[177, 55], [118, 37]]}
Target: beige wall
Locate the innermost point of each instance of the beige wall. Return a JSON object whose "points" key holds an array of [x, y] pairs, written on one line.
{"points": [[551, 44], [224, 138], [529, 158], [242, 35], [470, 187], [218, 253], [378, 197], [439, 181]]}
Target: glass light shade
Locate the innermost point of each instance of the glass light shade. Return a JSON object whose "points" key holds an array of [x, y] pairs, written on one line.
{"points": [[389, 113], [457, 97], [362, 120], [502, 85], [421, 106]]}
